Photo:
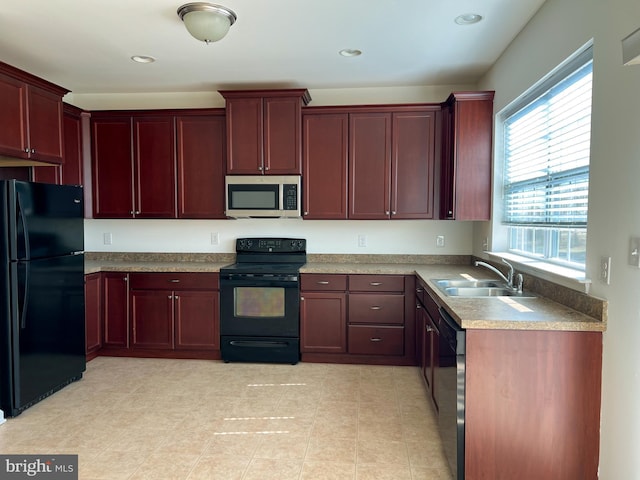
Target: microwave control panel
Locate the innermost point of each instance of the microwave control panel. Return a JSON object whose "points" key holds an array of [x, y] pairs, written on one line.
{"points": [[290, 196]]}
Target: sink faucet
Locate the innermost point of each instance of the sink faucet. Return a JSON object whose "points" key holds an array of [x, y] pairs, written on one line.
{"points": [[508, 278]]}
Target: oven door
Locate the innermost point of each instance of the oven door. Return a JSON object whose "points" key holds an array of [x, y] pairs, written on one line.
{"points": [[259, 306]]}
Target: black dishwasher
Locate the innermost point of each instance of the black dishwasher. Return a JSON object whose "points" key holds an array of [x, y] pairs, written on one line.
{"points": [[451, 391]]}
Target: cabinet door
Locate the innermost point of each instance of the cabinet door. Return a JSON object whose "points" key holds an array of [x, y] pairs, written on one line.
{"points": [[155, 187], [152, 319], [116, 309], [44, 110], [413, 165], [282, 136], [325, 172], [52, 174], [197, 320], [466, 156], [112, 171], [370, 166], [93, 312], [13, 117], [72, 170], [244, 135], [201, 166], [323, 322]]}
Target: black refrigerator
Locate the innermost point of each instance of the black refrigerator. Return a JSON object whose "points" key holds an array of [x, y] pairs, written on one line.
{"points": [[42, 332]]}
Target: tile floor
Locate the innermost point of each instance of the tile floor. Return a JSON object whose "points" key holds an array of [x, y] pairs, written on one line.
{"points": [[166, 419]]}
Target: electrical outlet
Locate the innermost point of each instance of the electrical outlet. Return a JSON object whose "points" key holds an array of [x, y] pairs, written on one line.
{"points": [[440, 241], [362, 240], [215, 238], [485, 244], [107, 238], [605, 269]]}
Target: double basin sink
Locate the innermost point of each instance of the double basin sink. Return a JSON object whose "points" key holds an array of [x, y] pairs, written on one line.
{"points": [[478, 288]]}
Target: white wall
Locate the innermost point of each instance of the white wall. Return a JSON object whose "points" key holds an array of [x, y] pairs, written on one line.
{"points": [[557, 30], [392, 236], [417, 237]]}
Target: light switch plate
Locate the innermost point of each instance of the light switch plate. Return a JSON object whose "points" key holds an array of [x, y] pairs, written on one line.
{"points": [[634, 252]]}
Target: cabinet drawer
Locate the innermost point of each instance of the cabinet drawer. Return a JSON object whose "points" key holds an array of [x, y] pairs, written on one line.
{"points": [[174, 281], [323, 282], [431, 305], [376, 283], [376, 340], [380, 309]]}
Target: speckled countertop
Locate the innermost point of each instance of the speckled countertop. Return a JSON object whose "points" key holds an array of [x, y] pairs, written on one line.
{"points": [[551, 308]]}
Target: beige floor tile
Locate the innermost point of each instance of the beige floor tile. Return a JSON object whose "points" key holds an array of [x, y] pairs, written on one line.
{"points": [[219, 468], [383, 472], [273, 469], [328, 471], [136, 419]]}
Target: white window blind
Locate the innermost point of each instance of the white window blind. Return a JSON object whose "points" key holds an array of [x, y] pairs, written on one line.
{"points": [[547, 149]]}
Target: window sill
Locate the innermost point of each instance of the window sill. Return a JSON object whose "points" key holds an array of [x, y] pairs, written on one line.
{"points": [[568, 277]]}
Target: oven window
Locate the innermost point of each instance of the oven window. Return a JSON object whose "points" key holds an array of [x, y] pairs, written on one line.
{"points": [[259, 302]]}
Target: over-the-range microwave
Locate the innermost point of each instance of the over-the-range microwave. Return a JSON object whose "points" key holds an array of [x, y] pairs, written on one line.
{"points": [[254, 196]]}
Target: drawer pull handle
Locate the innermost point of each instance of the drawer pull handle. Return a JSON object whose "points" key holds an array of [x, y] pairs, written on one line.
{"points": [[174, 280], [323, 282], [375, 339], [376, 307], [375, 284]]}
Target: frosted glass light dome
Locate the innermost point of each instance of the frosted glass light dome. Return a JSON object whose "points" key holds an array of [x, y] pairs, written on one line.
{"points": [[206, 21]]}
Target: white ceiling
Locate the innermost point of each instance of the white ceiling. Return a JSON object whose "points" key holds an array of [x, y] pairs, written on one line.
{"points": [[86, 45]]}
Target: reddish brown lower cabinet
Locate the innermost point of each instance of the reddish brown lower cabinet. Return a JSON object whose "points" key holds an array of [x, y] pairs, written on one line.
{"points": [[151, 319], [323, 314], [116, 310], [358, 319], [323, 322], [175, 312], [93, 314], [532, 404]]}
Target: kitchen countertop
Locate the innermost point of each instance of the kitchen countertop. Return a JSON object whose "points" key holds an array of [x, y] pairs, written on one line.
{"points": [[514, 313]]}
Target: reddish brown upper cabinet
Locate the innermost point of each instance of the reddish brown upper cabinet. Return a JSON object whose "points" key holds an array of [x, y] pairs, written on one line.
{"points": [[201, 165], [369, 166], [71, 171], [264, 131], [133, 166], [30, 117], [325, 167], [467, 133]]}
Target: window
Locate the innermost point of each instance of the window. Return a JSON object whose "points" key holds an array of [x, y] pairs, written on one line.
{"points": [[546, 166]]}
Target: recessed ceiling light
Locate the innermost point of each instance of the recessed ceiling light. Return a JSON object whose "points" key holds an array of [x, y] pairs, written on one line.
{"points": [[468, 19], [350, 52], [143, 59]]}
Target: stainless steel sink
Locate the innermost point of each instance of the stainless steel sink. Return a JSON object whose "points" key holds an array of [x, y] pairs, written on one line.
{"points": [[470, 283], [478, 288]]}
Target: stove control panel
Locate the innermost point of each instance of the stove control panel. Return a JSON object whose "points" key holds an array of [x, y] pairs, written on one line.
{"points": [[271, 245]]}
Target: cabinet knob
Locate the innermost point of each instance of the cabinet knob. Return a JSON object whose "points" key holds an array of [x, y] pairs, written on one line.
{"points": [[418, 306], [301, 298], [26, 150], [137, 212], [428, 328], [375, 284], [386, 212], [170, 297], [375, 307], [33, 150], [174, 280], [260, 168], [419, 290], [393, 212], [322, 282], [375, 339], [306, 213]]}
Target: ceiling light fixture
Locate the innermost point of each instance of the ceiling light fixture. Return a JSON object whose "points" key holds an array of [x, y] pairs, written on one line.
{"points": [[206, 21], [350, 52], [468, 19], [143, 59]]}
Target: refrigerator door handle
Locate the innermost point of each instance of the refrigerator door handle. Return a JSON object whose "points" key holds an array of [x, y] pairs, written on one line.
{"points": [[25, 298], [25, 235]]}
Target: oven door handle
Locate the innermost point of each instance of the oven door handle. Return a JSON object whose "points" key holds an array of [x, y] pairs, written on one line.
{"points": [[258, 343], [226, 283]]}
